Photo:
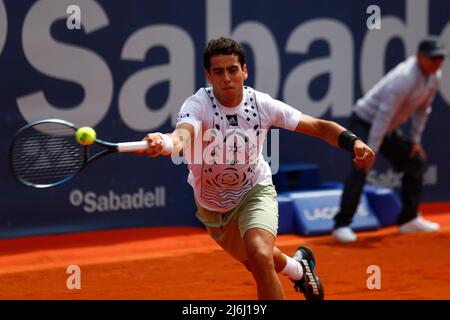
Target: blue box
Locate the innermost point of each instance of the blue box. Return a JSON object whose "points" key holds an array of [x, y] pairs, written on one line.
{"points": [[297, 176], [286, 218], [385, 203], [314, 212]]}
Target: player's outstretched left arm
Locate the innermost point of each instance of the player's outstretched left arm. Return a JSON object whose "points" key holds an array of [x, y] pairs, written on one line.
{"points": [[337, 136]]}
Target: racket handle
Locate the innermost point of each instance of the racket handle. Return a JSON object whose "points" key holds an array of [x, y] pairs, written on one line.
{"points": [[132, 146]]}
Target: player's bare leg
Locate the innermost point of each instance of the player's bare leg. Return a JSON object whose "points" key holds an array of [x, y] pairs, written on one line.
{"points": [[259, 244], [279, 260]]}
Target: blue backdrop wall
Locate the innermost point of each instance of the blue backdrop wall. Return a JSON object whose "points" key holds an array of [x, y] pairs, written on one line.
{"points": [[131, 65]]}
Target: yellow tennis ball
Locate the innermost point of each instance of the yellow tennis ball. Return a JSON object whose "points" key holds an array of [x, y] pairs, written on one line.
{"points": [[85, 136]]}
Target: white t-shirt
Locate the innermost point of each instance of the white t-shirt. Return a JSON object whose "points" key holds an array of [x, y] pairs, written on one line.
{"points": [[230, 162]]}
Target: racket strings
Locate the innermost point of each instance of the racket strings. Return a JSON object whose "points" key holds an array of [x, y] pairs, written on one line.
{"points": [[46, 154]]}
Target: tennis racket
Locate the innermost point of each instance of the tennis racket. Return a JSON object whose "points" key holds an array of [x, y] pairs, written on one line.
{"points": [[45, 153]]}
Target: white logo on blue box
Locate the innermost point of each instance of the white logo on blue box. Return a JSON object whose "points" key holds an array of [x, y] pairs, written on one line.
{"points": [[314, 211]]}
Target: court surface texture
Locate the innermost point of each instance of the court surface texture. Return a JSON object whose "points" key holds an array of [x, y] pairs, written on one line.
{"points": [[184, 263]]}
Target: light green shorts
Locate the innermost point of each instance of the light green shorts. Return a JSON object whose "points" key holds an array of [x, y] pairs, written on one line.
{"points": [[257, 209]]}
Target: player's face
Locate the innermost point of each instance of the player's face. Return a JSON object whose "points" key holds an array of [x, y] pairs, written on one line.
{"points": [[430, 65], [227, 78]]}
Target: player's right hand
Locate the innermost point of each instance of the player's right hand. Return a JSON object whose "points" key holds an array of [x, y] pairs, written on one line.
{"points": [[155, 145], [364, 156]]}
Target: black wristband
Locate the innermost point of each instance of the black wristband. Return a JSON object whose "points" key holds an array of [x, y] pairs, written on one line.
{"points": [[346, 140]]}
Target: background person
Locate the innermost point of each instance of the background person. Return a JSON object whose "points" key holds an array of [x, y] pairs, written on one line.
{"points": [[405, 93]]}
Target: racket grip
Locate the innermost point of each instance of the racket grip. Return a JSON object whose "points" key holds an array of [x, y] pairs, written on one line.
{"points": [[132, 146]]}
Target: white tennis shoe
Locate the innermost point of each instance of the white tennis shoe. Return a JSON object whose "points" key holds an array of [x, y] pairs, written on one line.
{"points": [[344, 234], [419, 224]]}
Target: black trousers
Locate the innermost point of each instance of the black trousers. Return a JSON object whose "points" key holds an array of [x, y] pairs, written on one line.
{"points": [[396, 149]]}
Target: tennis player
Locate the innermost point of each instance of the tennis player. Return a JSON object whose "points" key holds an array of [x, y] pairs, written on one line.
{"points": [[405, 93], [232, 183]]}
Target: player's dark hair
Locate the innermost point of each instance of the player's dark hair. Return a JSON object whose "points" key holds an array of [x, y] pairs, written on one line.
{"points": [[223, 46]]}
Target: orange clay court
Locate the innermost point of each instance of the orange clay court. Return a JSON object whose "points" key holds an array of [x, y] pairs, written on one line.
{"points": [[185, 264]]}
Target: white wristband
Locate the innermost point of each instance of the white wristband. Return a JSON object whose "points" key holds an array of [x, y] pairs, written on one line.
{"points": [[168, 144]]}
